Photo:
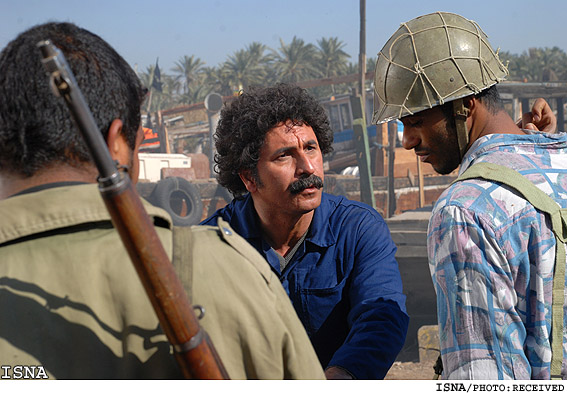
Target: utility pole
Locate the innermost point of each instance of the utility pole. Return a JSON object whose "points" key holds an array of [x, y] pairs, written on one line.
{"points": [[362, 53], [358, 107], [213, 104]]}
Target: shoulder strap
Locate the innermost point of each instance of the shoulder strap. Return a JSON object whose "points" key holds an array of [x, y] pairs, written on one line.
{"points": [[245, 249], [182, 258], [543, 202]]}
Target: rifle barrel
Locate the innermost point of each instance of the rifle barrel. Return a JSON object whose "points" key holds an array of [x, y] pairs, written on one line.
{"points": [[194, 352]]}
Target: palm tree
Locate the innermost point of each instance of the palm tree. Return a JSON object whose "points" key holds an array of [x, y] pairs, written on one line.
{"points": [[217, 80], [188, 70], [537, 64], [296, 61], [549, 61], [370, 63], [248, 66], [332, 59], [163, 99], [242, 69], [197, 93], [168, 97], [145, 76], [261, 52], [352, 68]]}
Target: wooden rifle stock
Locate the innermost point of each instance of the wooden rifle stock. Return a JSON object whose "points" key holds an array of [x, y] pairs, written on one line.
{"points": [[193, 350]]}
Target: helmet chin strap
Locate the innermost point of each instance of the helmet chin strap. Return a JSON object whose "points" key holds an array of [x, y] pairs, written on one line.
{"points": [[461, 113]]}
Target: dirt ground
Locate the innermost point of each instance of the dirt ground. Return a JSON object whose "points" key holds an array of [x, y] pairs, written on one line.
{"points": [[416, 371]]}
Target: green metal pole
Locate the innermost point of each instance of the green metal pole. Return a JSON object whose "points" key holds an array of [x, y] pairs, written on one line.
{"points": [[362, 151]]}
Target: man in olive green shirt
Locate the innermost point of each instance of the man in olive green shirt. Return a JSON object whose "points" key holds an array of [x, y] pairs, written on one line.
{"points": [[72, 305]]}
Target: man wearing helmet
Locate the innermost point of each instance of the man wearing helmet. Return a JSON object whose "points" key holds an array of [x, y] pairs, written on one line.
{"points": [[492, 254]]}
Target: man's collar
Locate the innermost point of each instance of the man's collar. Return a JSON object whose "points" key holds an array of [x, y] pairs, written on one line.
{"points": [[248, 227], [320, 231], [46, 186]]}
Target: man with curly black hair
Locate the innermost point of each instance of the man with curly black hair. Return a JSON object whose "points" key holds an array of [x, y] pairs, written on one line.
{"points": [[334, 257]]}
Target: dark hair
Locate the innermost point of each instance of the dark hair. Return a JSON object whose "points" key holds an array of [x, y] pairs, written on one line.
{"points": [[489, 97], [36, 129], [245, 121]]}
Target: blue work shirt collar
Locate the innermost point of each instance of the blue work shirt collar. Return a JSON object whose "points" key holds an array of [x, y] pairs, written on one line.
{"points": [[320, 233]]}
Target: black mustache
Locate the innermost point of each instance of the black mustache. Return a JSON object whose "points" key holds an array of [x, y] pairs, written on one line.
{"points": [[310, 181]]}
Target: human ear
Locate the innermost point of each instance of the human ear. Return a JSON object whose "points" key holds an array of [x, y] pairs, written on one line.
{"points": [[470, 103], [248, 180], [116, 142]]}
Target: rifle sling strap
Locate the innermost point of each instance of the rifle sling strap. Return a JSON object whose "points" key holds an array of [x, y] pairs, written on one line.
{"points": [[182, 257], [558, 217]]}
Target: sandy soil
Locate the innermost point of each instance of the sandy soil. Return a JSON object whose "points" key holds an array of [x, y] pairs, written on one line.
{"points": [[423, 370]]}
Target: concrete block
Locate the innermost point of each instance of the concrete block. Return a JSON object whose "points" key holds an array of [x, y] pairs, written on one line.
{"points": [[428, 341]]}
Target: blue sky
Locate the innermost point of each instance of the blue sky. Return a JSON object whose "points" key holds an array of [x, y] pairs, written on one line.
{"points": [[143, 30]]}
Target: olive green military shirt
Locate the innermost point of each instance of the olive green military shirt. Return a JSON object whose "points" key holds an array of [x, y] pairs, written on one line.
{"points": [[73, 307]]}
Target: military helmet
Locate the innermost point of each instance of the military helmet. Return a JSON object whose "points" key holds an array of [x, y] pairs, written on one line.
{"points": [[430, 60]]}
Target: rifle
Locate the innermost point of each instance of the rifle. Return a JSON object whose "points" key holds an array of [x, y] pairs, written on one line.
{"points": [[194, 352]]}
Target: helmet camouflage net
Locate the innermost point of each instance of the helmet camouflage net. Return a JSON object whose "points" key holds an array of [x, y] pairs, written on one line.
{"points": [[430, 60]]}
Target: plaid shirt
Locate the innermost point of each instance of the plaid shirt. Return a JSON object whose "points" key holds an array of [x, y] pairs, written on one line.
{"points": [[491, 256]]}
